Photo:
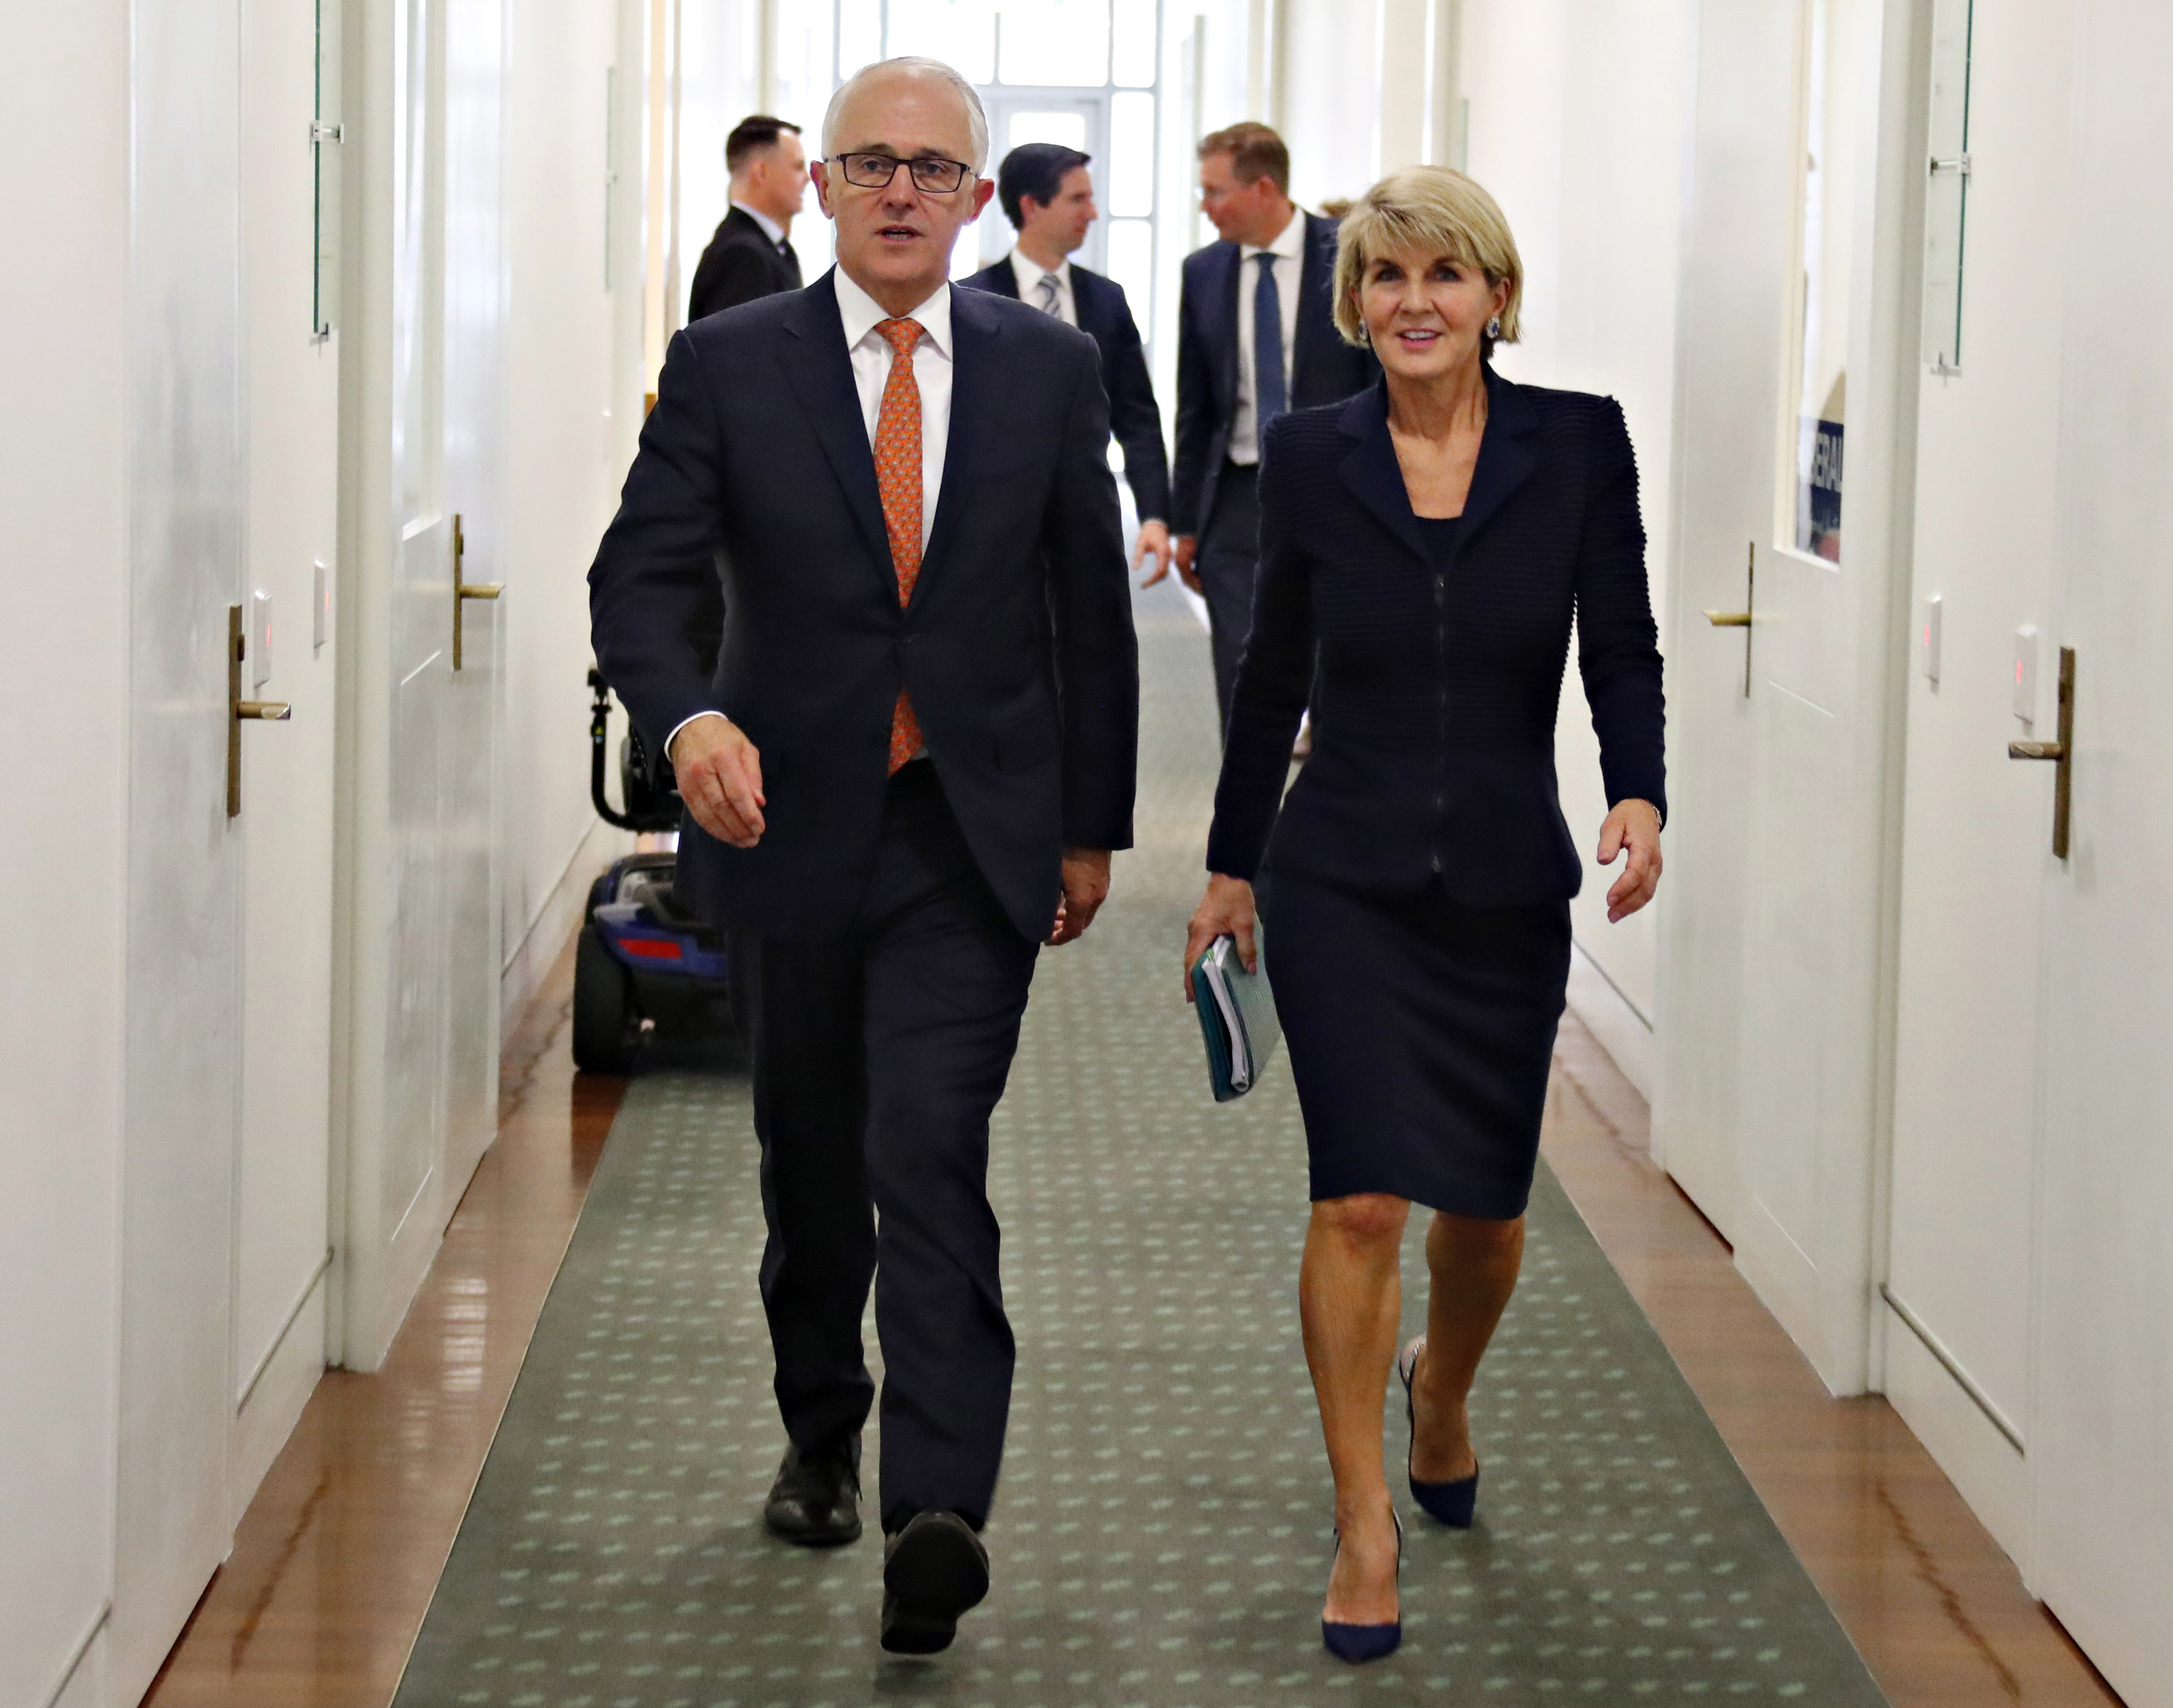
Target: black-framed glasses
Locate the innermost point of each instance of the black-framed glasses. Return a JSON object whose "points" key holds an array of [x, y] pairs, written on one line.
{"points": [[930, 173]]}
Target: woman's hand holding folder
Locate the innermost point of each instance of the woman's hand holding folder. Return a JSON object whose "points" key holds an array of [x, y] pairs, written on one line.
{"points": [[1227, 910]]}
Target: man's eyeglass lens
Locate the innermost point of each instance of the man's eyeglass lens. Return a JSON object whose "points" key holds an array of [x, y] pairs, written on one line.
{"points": [[938, 177]]}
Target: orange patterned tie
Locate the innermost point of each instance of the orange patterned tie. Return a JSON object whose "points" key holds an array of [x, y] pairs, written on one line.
{"points": [[898, 476]]}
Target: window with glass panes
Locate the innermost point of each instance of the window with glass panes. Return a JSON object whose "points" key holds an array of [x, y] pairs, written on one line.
{"points": [[1081, 72]]}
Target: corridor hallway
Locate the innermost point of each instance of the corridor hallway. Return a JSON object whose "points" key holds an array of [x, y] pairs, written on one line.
{"points": [[1162, 1535]]}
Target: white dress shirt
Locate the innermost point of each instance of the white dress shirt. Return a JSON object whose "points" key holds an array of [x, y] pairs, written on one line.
{"points": [[931, 371], [870, 354], [1289, 251], [1030, 274]]}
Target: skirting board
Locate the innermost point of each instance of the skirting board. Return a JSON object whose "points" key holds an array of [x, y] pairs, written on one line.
{"points": [[555, 921], [1623, 1033]]}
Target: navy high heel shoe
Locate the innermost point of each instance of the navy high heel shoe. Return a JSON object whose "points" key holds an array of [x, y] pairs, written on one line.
{"points": [[1454, 1504], [1358, 1644]]}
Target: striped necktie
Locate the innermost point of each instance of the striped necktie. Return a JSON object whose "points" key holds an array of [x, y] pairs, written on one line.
{"points": [[1047, 291]]}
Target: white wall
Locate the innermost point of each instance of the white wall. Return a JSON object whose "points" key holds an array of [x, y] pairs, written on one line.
{"points": [[63, 700], [1579, 114], [1331, 101], [561, 473]]}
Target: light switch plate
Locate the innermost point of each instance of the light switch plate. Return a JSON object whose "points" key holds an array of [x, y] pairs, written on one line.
{"points": [[1927, 644], [2025, 673], [259, 639]]}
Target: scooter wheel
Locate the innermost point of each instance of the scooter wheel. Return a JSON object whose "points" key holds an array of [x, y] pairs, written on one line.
{"points": [[605, 1022]]}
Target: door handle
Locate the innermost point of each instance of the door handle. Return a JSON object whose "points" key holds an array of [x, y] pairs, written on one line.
{"points": [[2062, 753], [239, 710], [463, 590], [1741, 619]]}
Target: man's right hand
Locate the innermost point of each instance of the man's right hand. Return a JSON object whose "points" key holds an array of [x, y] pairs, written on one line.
{"points": [[1187, 548], [720, 779]]}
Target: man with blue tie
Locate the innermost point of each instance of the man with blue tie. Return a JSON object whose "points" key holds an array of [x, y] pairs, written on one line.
{"points": [[904, 772], [1047, 194], [1256, 337]]}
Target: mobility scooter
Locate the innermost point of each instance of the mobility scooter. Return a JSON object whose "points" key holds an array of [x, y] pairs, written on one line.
{"points": [[645, 965]]}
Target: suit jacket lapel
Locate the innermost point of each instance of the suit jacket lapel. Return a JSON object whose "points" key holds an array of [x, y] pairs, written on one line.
{"points": [[1372, 472], [1231, 258], [820, 373], [1505, 461], [1316, 277], [976, 389], [999, 280]]}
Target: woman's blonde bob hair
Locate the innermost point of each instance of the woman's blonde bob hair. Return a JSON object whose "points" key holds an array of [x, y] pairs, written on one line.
{"points": [[1435, 211]]}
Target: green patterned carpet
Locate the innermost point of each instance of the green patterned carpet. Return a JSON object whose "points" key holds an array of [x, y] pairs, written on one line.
{"points": [[1161, 1534]]}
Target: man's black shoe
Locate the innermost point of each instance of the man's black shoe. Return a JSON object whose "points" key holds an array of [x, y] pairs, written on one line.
{"points": [[933, 1570], [816, 1499]]}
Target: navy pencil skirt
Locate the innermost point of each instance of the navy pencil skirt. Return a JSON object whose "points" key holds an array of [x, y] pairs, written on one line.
{"points": [[1420, 1031]]}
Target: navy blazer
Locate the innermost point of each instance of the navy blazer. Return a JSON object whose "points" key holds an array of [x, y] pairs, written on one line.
{"points": [[1433, 718], [740, 266], [1017, 647], [1324, 368], [1135, 418]]}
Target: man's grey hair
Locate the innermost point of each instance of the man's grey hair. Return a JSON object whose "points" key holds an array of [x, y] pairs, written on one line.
{"points": [[977, 122]]}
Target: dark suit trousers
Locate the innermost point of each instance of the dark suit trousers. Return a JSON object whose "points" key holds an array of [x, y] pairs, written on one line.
{"points": [[1228, 564], [878, 1057]]}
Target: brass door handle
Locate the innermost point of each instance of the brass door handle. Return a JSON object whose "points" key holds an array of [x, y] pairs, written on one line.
{"points": [[238, 710], [2061, 753], [1741, 619], [464, 590]]}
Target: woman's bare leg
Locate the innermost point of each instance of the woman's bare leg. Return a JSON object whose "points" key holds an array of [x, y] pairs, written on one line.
{"points": [[1473, 1263], [1351, 1302]]}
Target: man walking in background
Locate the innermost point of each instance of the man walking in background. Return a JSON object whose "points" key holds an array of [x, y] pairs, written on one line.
{"points": [[906, 772], [750, 254], [1048, 195], [1256, 337]]}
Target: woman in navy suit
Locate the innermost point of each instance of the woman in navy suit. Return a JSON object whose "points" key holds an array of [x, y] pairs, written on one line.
{"points": [[1428, 543]]}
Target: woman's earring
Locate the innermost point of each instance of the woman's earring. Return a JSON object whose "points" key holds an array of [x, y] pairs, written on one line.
{"points": [[1494, 328], [1366, 336]]}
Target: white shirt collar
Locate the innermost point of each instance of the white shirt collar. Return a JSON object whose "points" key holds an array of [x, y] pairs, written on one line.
{"points": [[1290, 244], [770, 228], [861, 313], [1030, 273]]}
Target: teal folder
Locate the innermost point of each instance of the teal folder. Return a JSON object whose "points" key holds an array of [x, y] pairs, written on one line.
{"points": [[1236, 1016]]}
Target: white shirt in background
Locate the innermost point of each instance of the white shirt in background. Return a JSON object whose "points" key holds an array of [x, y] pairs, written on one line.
{"points": [[1030, 274]]}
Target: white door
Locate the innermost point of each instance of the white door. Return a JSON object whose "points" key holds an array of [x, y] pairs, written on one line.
{"points": [[1975, 859], [1770, 1044], [2103, 1429], [1738, 231], [282, 1207], [182, 976], [421, 382]]}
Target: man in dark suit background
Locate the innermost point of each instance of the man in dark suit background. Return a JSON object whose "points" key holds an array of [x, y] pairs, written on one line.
{"points": [[906, 772], [1047, 194], [1256, 337], [750, 254]]}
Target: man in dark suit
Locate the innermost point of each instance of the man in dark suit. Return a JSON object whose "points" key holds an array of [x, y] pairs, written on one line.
{"points": [[928, 656], [750, 254], [1047, 194], [1255, 337]]}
